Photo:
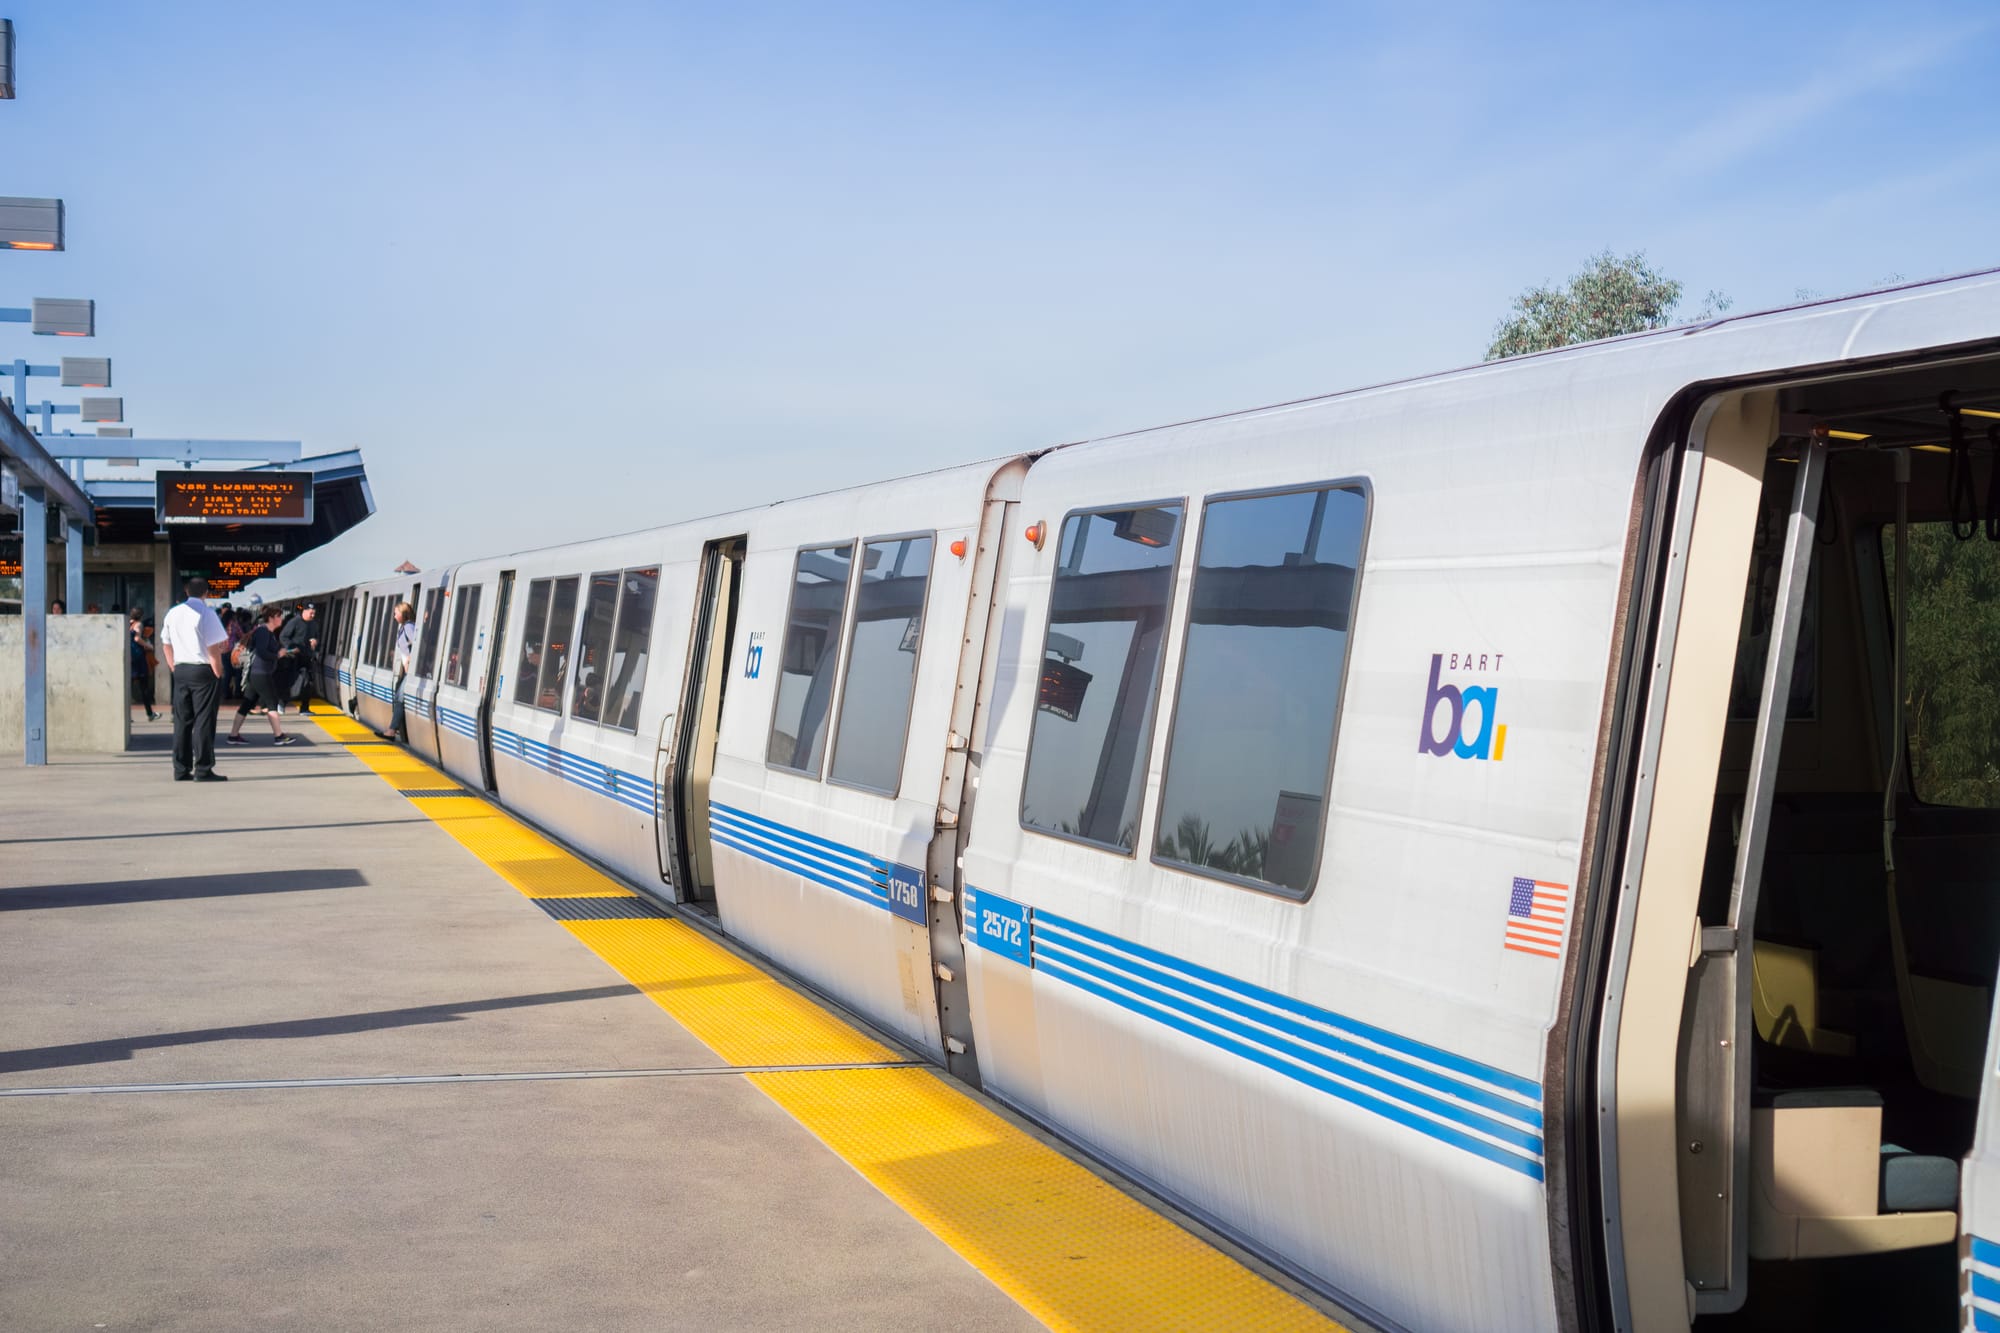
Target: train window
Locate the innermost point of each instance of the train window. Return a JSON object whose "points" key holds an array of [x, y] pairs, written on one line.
{"points": [[433, 630], [389, 631], [805, 674], [1954, 594], [1108, 605], [1251, 746], [385, 612], [558, 648], [534, 629], [600, 609], [882, 663], [629, 647], [464, 624]]}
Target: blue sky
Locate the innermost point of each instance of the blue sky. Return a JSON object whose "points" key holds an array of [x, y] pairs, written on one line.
{"points": [[563, 270]]}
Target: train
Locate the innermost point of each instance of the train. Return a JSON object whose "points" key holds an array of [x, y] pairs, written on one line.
{"points": [[1492, 844]]}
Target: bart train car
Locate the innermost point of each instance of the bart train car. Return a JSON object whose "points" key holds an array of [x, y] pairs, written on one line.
{"points": [[1515, 848]]}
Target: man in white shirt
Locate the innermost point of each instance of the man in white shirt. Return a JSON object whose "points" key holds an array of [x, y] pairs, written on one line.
{"points": [[192, 640]]}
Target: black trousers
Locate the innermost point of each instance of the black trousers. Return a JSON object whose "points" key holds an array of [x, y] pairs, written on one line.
{"points": [[197, 699]]}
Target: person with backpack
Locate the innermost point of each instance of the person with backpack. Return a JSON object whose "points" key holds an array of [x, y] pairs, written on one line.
{"points": [[260, 661]]}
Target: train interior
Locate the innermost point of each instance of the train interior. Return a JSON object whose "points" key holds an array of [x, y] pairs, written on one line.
{"points": [[1875, 929]]}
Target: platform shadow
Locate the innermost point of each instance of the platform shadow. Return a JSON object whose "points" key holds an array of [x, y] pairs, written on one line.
{"points": [[216, 832], [116, 1049], [115, 892]]}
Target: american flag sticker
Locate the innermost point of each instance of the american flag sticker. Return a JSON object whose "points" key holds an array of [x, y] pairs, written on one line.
{"points": [[1537, 912]]}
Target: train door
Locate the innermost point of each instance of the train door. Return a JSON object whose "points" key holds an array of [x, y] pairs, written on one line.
{"points": [[490, 685], [423, 679], [685, 762], [357, 649]]}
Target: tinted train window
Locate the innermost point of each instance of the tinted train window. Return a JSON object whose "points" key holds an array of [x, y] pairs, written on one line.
{"points": [[433, 630], [558, 648], [600, 609], [464, 624], [626, 671], [882, 663], [534, 632], [385, 639], [1107, 626], [1251, 744], [805, 675]]}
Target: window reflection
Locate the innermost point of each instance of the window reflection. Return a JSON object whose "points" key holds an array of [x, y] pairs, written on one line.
{"points": [[1100, 673], [1252, 735], [805, 677], [882, 663]]}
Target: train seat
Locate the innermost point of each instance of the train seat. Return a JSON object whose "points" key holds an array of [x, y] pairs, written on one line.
{"points": [[1823, 1184], [1785, 1000]]}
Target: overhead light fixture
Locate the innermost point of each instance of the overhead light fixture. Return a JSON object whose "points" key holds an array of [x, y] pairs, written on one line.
{"points": [[102, 409], [31, 224], [86, 372], [61, 316]]}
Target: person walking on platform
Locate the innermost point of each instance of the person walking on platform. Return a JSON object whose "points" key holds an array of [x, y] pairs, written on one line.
{"points": [[141, 655], [406, 652], [300, 642], [264, 652], [192, 637]]}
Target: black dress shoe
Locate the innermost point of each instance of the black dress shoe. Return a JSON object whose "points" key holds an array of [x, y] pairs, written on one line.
{"points": [[210, 777], [183, 777]]}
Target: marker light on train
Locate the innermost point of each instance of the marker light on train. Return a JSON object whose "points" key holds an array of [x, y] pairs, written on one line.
{"points": [[1035, 533], [958, 548]]}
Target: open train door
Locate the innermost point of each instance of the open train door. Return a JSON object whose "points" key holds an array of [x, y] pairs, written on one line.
{"points": [[685, 760], [489, 688]]}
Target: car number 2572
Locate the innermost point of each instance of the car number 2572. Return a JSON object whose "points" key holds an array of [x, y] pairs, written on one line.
{"points": [[1006, 929]]}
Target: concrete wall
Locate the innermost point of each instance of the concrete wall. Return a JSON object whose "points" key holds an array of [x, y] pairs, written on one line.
{"points": [[89, 684]]}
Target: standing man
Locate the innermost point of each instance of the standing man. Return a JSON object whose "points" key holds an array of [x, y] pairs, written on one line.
{"points": [[300, 641], [192, 638]]}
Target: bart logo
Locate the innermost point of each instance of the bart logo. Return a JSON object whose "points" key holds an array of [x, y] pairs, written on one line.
{"points": [[1490, 740]]}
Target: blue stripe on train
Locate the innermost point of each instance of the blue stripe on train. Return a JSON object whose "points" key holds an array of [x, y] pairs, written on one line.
{"points": [[845, 870], [627, 789], [1448, 1097]]}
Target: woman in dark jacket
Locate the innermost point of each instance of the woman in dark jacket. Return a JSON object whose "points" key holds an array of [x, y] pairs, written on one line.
{"points": [[260, 686]]}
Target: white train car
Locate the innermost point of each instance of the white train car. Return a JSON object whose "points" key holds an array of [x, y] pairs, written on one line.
{"points": [[1494, 844]]}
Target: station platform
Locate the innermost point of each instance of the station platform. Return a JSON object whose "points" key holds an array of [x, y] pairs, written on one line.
{"points": [[338, 1045]]}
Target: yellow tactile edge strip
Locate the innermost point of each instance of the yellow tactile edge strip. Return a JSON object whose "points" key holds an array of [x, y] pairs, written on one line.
{"points": [[1072, 1249]]}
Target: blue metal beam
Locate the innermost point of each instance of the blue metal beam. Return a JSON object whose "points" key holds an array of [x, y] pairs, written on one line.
{"points": [[35, 625], [37, 468], [180, 451]]}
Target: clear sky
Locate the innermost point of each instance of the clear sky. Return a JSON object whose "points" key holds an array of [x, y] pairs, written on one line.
{"points": [[569, 269]]}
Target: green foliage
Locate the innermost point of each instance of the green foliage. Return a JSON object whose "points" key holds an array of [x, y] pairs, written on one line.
{"points": [[1612, 296], [1951, 670], [1192, 843]]}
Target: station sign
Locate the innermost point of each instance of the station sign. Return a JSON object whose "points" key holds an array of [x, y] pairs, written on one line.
{"points": [[194, 498]]}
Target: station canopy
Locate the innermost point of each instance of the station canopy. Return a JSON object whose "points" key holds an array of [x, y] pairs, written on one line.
{"points": [[239, 524]]}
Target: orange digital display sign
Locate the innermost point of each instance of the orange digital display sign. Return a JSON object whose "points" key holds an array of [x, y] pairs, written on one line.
{"points": [[235, 497]]}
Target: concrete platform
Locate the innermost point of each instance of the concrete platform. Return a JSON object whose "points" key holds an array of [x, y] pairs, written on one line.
{"points": [[301, 922], [294, 1051]]}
